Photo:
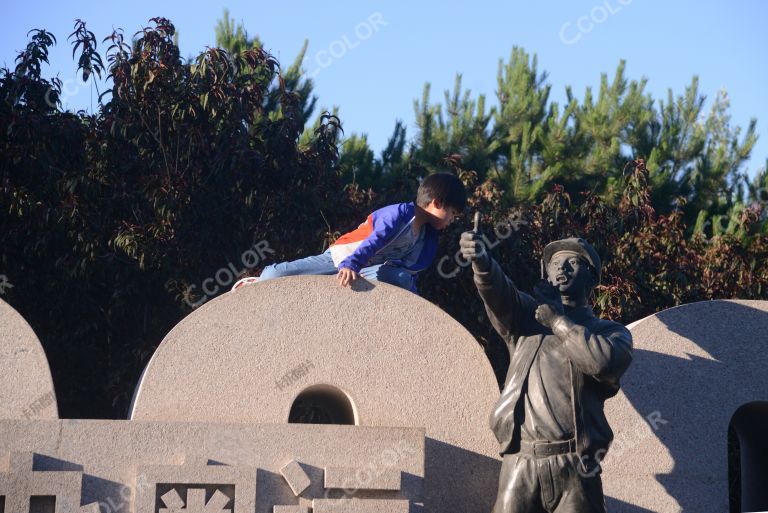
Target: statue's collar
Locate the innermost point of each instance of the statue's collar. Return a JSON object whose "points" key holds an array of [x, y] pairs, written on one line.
{"points": [[580, 313]]}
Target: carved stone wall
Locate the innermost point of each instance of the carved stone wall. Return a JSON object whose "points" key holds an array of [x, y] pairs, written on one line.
{"points": [[121, 466], [396, 358]]}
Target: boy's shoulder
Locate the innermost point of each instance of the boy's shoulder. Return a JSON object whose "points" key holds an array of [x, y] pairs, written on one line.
{"points": [[394, 214], [397, 209]]}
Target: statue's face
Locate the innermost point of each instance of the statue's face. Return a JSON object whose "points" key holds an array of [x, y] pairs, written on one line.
{"points": [[569, 272]]}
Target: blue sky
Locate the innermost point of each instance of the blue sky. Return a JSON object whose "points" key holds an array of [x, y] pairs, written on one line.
{"points": [[374, 57]]}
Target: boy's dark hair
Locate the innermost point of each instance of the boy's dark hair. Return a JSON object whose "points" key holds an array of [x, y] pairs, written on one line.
{"points": [[443, 187]]}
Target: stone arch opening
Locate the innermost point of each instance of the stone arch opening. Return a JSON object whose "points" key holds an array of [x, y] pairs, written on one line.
{"points": [[323, 404], [748, 458]]}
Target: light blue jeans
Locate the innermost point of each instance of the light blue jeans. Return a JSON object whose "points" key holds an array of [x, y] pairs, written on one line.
{"points": [[323, 264]]}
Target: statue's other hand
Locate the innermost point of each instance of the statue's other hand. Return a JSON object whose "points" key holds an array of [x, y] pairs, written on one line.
{"points": [[547, 294], [546, 315], [473, 250]]}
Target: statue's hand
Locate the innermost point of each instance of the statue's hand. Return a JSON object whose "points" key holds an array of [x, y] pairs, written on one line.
{"points": [[550, 305], [473, 250], [546, 315]]}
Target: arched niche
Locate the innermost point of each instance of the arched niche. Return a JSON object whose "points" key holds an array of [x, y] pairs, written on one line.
{"points": [[322, 404], [750, 425]]}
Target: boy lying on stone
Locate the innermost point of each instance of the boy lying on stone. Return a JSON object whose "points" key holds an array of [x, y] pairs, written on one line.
{"points": [[392, 245]]}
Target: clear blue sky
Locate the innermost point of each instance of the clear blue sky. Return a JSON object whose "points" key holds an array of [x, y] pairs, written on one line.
{"points": [[374, 58]]}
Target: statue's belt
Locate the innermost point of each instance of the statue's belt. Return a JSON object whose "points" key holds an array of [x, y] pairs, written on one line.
{"points": [[543, 449]]}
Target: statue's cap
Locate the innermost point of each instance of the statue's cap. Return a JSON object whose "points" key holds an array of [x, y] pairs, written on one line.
{"points": [[578, 246]]}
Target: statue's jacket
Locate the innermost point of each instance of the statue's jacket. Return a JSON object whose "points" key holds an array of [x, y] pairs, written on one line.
{"points": [[599, 351]]}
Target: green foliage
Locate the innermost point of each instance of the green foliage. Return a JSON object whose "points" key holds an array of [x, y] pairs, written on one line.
{"points": [[112, 221], [528, 144], [649, 263], [235, 40], [234, 37]]}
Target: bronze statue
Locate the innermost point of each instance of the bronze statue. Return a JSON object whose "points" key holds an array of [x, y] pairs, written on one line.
{"points": [[564, 364]]}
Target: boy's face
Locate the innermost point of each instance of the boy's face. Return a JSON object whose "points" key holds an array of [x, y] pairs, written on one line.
{"points": [[441, 216]]}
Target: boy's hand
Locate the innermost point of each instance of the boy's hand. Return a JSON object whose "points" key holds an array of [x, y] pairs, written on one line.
{"points": [[346, 276]]}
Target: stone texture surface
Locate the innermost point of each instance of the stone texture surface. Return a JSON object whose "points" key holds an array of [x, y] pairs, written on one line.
{"points": [[245, 356], [291, 509], [160, 463], [26, 387], [362, 478], [20, 486], [693, 366], [356, 506]]}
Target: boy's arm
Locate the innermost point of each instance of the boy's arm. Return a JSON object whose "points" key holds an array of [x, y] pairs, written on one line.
{"points": [[386, 224]]}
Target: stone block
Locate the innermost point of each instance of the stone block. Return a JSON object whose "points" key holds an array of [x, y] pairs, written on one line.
{"points": [[363, 478], [290, 509], [359, 506], [295, 476]]}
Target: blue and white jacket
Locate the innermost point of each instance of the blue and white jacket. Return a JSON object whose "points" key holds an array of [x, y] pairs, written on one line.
{"points": [[355, 249]]}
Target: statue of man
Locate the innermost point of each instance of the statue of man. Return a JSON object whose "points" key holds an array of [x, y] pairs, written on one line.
{"points": [[564, 364]]}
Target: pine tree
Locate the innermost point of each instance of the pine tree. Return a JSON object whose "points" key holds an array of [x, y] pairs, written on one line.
{"points": [[527, 144], [234, 39]]}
